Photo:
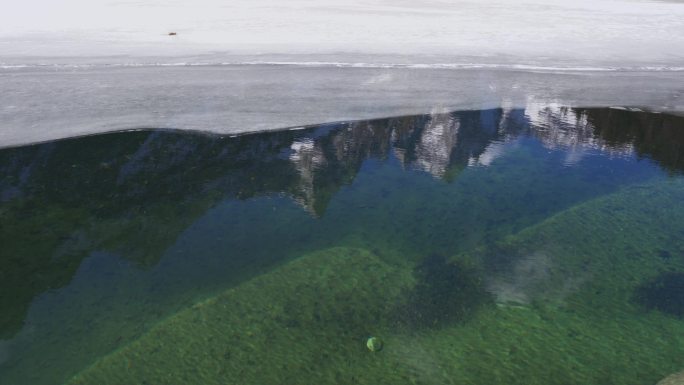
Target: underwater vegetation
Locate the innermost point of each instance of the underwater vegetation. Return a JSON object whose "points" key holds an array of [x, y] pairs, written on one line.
{"points": [[445, 293], [664, 293], [308, 321]]}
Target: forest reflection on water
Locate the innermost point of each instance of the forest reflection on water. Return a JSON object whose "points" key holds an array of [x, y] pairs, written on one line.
{"points": [[140, 207]]}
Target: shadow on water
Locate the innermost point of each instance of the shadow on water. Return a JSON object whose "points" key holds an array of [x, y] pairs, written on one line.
{"points": [[133, 195], [445, 293], [664, 293]]}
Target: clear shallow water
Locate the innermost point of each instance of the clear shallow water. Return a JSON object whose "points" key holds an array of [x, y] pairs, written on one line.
{"points": [[494, 246]]}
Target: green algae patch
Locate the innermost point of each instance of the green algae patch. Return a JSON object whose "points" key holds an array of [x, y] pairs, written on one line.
{"points": [[306, 322]]}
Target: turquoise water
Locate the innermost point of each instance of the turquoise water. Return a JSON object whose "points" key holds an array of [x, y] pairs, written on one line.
{"points": [[483, 247]]}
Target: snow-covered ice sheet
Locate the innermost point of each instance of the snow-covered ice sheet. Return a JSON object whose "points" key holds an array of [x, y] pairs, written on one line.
{"points": [[583, 30], [39, 104]]}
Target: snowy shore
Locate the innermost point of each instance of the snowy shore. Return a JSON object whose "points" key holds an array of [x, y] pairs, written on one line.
{"points": [[580, 30], [81, 67], [43, 104]]}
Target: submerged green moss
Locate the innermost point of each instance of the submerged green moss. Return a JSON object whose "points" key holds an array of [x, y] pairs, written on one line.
{"points": [[573, 322], [306, 322]]}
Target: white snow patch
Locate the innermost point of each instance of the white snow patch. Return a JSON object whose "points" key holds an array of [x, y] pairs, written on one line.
{"points": [[591, 30]]}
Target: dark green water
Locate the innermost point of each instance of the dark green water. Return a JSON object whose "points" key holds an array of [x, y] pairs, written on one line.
{"points": [[482, 247]]}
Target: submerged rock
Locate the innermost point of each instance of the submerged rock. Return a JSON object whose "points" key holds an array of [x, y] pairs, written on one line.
{"points": [[673, 379]]}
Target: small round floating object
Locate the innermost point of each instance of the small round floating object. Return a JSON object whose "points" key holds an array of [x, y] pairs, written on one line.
{"points": [[374, 344]]}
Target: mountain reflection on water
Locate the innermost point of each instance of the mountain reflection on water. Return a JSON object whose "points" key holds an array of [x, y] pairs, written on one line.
{"points": [[166, 217], [133, 193]]}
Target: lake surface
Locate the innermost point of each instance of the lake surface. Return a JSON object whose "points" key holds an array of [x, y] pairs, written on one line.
{"points": [[499, 246]]}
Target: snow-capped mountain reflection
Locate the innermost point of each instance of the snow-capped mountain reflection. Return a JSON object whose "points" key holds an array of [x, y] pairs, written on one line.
{"points": [[133, 193], [559, 127], [440, 143], [437, 141], [443, 144]]}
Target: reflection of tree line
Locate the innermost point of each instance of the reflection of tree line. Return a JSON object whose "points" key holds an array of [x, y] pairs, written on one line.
{"points": [[134, 193], [130, 193], [659, 137]]}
